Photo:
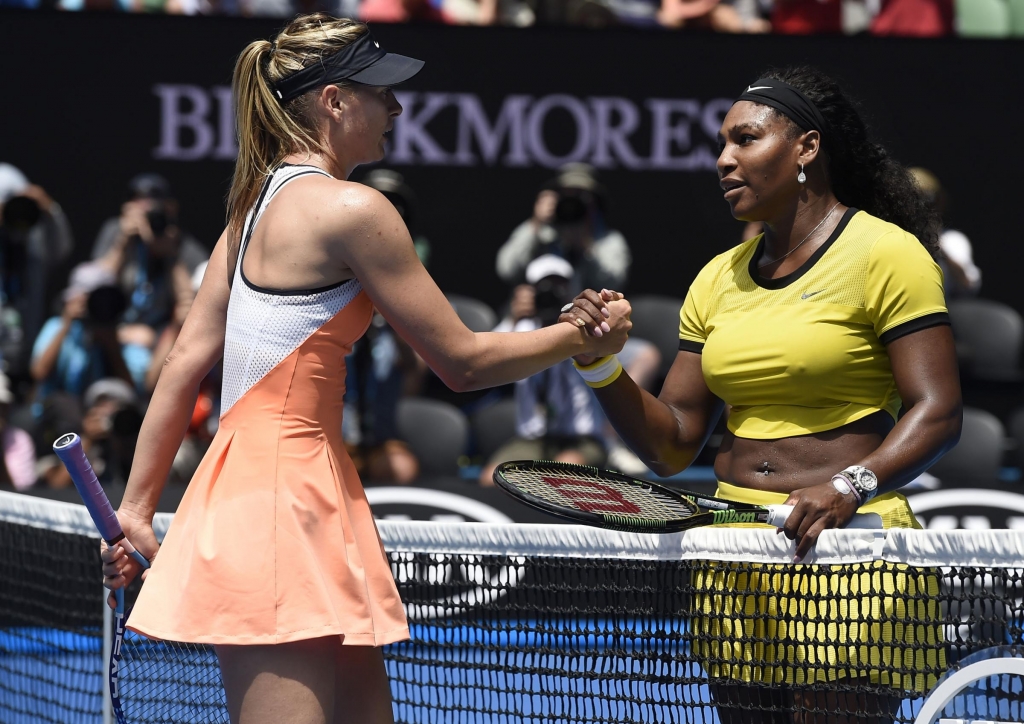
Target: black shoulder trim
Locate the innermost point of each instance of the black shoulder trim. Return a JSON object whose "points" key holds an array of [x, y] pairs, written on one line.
{"points": [[783, 282], [914, 325], [252, 227], [687, 345]]}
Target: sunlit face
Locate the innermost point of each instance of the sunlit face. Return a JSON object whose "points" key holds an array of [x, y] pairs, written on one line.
{"points": [[369, 115], [758, 162]]}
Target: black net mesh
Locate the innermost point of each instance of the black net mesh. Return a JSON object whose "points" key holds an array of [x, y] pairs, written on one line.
{"points": [[568, 638]]}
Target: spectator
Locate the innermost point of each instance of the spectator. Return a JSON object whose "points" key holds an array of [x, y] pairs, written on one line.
{"points": [[18, 466], [557, 415], [35, 239], [807, 17], [917, 18], [961, 277], [153, 257], [374, 383], [109, 427], [400, 11], [516, 13], [717, 15], [81, 345], [568, 221]]}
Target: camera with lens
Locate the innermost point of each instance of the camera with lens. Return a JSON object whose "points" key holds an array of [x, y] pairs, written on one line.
{"points": [[106, 305], [20, 213], [571, 208], [551, 294], [158, 220]]}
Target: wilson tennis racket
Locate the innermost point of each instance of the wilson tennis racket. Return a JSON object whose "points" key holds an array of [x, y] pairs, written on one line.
{"points": [[612, 500], [149, 680]]}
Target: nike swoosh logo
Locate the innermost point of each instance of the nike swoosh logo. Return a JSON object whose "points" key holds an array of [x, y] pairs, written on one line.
{"points": [[758, 87], [808, 295]]}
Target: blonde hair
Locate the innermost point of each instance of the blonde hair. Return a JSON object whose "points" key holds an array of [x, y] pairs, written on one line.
{"points": [[267, 129]]}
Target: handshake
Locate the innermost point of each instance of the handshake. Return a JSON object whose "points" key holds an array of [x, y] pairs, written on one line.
{"points": [[604, 316]]}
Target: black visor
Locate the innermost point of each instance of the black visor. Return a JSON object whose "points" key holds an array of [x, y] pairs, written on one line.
{"points": [[361, 62]]}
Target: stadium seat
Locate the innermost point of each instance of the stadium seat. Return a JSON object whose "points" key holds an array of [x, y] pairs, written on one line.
{"points": [[976, 460], [989, 336], [1016, 430], [436, 432], [656, 319], [983, 18], [1016, 17], [493, 426], [476, 315]]}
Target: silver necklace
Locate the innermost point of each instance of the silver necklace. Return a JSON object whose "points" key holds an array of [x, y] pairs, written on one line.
{"points": [[773, 261]]}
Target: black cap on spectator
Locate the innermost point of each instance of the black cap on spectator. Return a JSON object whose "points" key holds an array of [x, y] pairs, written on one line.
{"points": [[149, 186], [582, 177]]}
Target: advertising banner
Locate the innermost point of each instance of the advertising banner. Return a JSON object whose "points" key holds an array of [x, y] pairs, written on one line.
{"points": [[92, 99]]}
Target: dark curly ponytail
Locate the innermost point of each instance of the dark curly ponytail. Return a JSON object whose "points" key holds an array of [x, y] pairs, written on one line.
{"points": [[862, 172]]}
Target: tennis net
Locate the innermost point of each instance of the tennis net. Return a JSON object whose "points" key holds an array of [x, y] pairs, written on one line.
{"points": [[537, 623]]}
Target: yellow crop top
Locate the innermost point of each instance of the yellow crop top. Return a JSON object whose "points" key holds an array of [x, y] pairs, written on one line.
{"points": [[806, 352]]}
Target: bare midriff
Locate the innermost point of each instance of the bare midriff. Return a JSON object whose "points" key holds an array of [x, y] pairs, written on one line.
{"points": [[792, 463]]}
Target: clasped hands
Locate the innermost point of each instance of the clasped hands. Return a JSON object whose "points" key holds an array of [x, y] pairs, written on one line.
{"points": [[605, 317]]}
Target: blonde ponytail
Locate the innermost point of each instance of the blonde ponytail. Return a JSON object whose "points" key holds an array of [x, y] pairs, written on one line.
{"points": [[267, 130]]}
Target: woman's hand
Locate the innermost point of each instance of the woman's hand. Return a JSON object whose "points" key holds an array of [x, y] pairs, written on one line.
{"points": [[815, 509], [591, 311], [119, 568]]}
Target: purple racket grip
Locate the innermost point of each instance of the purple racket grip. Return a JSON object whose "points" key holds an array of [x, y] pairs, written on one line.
{"points": [[69, 449]]}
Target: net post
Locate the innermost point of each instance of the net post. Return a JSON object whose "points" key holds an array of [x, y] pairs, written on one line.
{"points": [[108, 641]]}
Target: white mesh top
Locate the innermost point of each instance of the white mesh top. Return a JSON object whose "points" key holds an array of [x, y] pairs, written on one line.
{"points": [[264, 325]]}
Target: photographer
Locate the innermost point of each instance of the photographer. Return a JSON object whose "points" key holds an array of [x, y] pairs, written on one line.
{"points": [[153, 259], [109, 428], [557, 415], [81, 345], [568, 221], [35, 239]]}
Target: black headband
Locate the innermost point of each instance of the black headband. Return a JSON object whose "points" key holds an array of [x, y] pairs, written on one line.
{"points": [[361, 62], [787, 99]]}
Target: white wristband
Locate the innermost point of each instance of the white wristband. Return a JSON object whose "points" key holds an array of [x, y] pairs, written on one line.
{"points": [[601, 372]]}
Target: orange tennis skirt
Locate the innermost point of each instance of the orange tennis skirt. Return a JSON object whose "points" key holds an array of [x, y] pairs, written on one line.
{"points": [[274, 541]]}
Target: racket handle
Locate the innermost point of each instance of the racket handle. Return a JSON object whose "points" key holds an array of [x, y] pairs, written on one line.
{"points": [[778, 514], [69, 449]]}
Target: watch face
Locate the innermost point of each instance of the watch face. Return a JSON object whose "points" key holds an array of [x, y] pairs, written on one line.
{"points": [[866, 479]]}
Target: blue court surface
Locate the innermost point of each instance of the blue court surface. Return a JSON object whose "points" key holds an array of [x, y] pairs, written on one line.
{"points": [[470, 675]]}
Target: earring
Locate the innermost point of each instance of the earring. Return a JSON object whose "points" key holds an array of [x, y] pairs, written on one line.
{"points": [[802, 177]]}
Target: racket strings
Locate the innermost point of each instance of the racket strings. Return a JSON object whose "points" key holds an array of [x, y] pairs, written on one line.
{"points": [[584, 490]]}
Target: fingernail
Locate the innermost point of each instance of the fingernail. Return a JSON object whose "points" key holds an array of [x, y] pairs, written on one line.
{"points": [[606, 312], [598, 332], [605, 327]]}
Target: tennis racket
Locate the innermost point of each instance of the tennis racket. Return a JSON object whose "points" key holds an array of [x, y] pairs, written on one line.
{"points": [[149, 680], [69, 450], [607, 499]]}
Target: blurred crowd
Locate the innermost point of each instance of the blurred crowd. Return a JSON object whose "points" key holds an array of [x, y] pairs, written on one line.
{"points": [[918, 18], [82, 345]]}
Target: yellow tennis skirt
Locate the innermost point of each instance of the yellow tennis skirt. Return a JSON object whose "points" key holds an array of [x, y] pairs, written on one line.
{"points": [[878, 622]]}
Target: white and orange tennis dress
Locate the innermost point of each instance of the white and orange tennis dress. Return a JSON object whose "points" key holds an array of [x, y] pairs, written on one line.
{"points": [[274, 541]]}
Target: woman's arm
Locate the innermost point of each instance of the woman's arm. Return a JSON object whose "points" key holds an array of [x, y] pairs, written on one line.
{"points": [[377, 247], [666, 432], [924, 368], [198, 347]]}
